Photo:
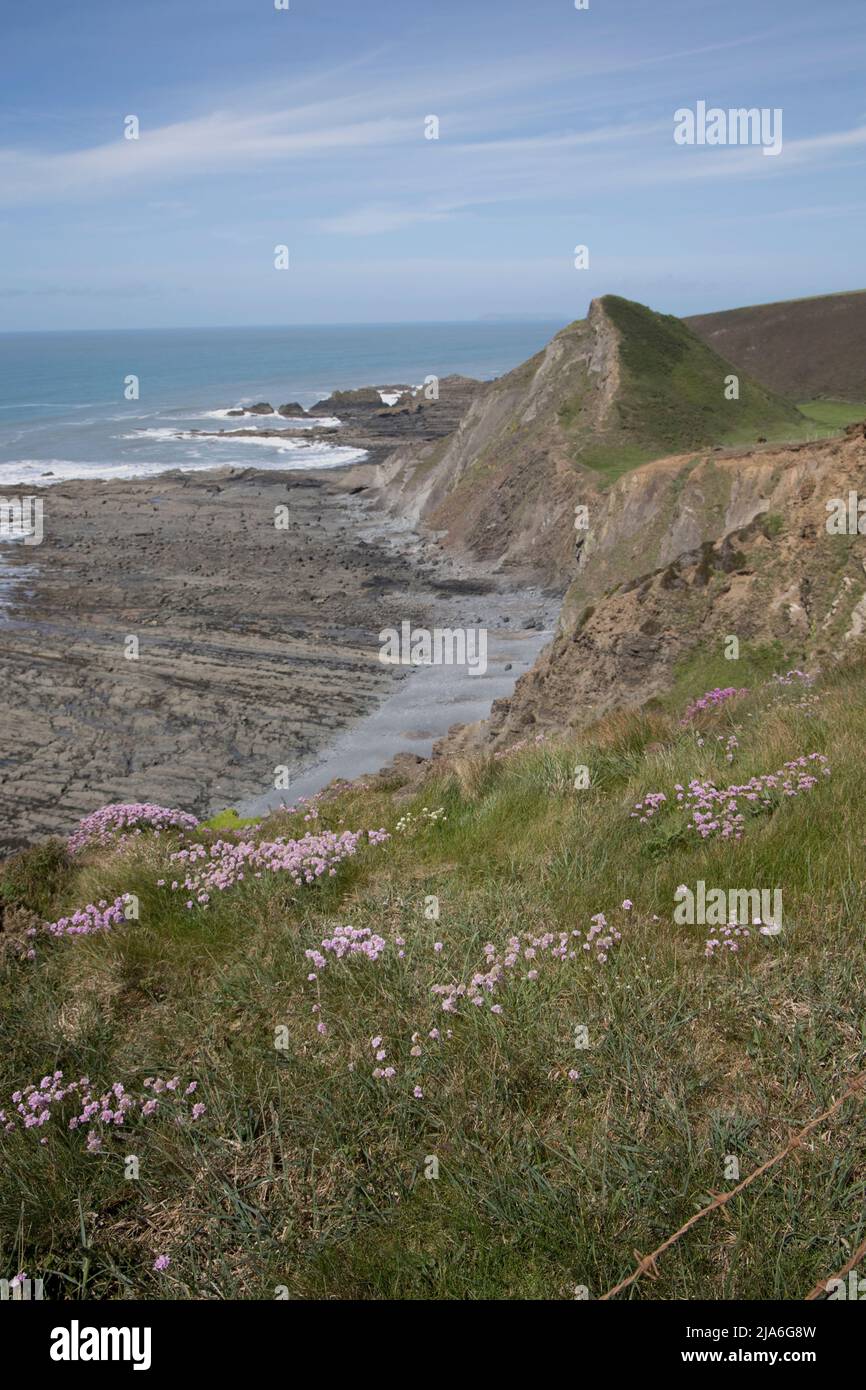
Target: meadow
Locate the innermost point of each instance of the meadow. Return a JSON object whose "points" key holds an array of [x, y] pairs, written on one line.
{"points": [[451, 1043]]}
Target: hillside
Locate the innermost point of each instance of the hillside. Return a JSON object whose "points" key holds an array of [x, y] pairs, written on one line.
{"points": [[686, 551], [802, 348], [608, 393], [438, 1073], [447, 1033]]}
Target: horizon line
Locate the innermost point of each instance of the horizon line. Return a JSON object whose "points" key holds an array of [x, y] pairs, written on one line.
{"points": [[492, 322]]}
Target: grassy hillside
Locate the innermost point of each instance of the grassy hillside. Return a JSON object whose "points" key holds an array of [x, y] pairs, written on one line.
{"points": [[831, 416], [671, 397], [313, 1167], [802, 348]]}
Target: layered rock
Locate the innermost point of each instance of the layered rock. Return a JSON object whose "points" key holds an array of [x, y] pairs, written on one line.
{"points": [[686, 551]]}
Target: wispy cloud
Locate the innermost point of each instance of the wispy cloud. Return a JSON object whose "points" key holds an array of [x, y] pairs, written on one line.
{"points": [[213, 144], [377, 218]]}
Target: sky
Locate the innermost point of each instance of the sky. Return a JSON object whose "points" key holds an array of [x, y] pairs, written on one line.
{"points": [[307, 128]]}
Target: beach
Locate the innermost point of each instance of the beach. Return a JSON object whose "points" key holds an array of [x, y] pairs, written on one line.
{"points": [[199, 625], [168, 642]]}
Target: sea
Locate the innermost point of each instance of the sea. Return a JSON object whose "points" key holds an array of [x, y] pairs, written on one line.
{"points": [[130, 403]]}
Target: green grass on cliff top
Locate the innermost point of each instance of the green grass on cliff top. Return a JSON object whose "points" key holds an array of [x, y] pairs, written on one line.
{"points": [[672, 398], [308, 1174]]}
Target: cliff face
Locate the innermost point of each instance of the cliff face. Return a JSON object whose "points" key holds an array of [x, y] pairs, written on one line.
{"points": [[702, 524], [502, 486], [608, 393], [686, 551]]}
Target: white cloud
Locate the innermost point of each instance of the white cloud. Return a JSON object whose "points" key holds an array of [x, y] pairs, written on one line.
{"points": [[377, 218]]}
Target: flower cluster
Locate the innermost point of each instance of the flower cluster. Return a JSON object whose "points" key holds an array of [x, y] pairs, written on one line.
{"points": [[716, 810], [111, 823], [84, 921], [792, 677], [728, 936], [731, 744], [346, 941], [34, 1107], [410, 824], [380, 1053], [526, 953], [519, 746], [225, 863], [807, 701], [95, 917], [711, 700]]}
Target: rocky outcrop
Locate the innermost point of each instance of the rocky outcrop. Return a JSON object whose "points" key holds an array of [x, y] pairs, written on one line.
{"points": [[686, 551], [502, 487], [352, 403], [607, 393]]}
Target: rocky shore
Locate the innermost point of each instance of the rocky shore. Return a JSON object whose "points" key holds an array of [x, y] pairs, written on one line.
{"points": [[367, 421], [168, 642]]}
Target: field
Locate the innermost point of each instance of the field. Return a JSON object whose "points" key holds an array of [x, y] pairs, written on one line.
{"points": [[358, 1140], [834, 415]]}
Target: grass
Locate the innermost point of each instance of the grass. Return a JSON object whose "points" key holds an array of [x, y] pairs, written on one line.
{"points": [[672, 399], [230, 820], [309, 1175], [834, 415]]}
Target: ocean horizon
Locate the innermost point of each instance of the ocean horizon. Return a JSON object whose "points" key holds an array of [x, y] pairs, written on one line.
{"points": [[64, 412]]}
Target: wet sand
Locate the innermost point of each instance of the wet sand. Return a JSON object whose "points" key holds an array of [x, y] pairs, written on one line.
{"points": [[426, 703]]}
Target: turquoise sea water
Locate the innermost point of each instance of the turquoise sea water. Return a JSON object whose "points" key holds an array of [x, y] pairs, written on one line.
{"points": [[63, 411]]}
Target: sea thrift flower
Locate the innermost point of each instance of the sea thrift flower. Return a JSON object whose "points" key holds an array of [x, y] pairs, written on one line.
{"points": [[225, 863], [76, 1104], [792, 676], [111, 823], [520, 744], [95, 917], [502, 961], [161, 1263], [711, 700], [722, 810]]}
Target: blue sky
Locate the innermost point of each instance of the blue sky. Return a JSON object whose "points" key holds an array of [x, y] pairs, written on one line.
{"points": [[305, 127]]}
